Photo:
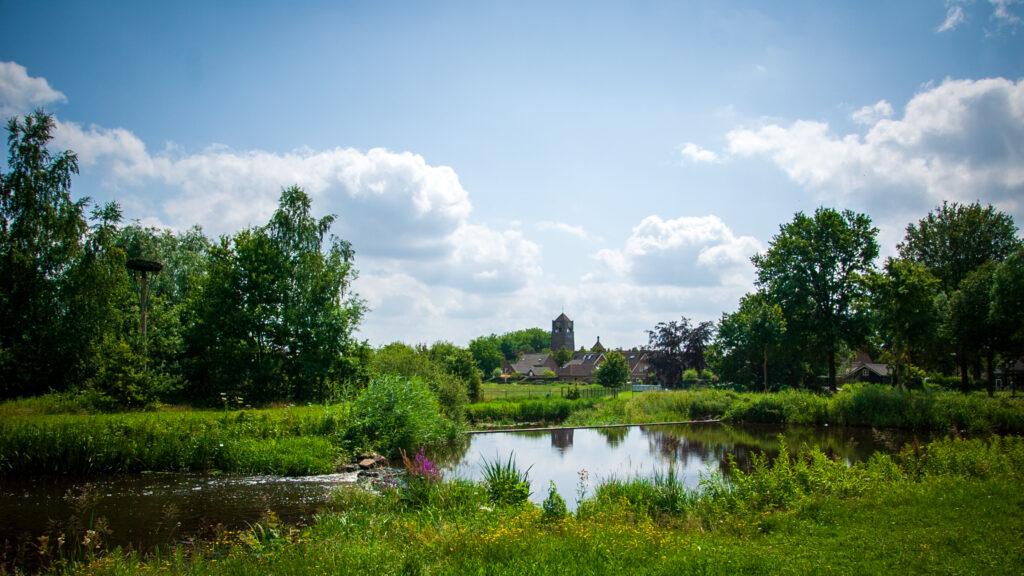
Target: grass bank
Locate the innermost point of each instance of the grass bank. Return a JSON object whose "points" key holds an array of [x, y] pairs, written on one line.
{"points": [[858, 405], [951, 507], [389, 416]]}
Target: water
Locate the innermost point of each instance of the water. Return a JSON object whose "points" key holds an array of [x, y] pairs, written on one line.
{"points": [[142, 511], [577, 460]]}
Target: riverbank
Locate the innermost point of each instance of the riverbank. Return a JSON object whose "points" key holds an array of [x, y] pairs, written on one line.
{"points": [[855, 405], [952, 506]]}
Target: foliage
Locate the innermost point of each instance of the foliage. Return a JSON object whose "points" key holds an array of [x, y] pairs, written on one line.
{"points": [[614, 371], [1007, 312], [422, 478], [562, 356], [447, 369], [799, 515], [292, 441], [748, 337], [274, 315], [666, 351], [904, 300], [394, 414], [960, 245], [486, 353], [954, 239], [815, 269], [540, 411], [506, 484], [553, 508], [41, 230]]}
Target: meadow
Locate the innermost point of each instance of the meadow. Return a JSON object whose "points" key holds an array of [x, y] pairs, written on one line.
{"points": [[950, 507]]}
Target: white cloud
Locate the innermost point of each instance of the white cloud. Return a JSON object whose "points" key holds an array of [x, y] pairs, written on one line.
{"points": [[697, 154], [688, 251], [21, 94], [954, 17], [872, 114], [959, 141], [1003, 12], [569, 229]]}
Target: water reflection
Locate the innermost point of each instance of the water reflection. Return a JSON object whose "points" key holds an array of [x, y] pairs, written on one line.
{"points": [[144, 510], [691, 450]]}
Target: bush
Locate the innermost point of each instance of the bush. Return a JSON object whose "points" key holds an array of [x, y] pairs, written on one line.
{"points": [[554, 507], [506, 484], [394, 414]]}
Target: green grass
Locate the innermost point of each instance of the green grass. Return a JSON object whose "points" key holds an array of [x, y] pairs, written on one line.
{"points": [[859, 405], [389, 416], [503, 392], [904, 514]]}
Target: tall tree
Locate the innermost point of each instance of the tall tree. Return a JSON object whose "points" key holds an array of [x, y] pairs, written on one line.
{"points": [[749, 336], [1007, 309], [275, 313], [666, 351], [953, 241], [41, 231], [696, 346], [903, 297], [815, 270], [968, 322]]}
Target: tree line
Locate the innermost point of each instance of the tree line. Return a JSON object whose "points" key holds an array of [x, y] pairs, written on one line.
{"points": [[950, 300], [268, 314], [264, 314]]}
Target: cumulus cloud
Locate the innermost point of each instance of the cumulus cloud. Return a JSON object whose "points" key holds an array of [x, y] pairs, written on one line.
{"points": [[398, 211], [688, 251], [695, 153], [958, 141], [21, 93], [872, 114]]}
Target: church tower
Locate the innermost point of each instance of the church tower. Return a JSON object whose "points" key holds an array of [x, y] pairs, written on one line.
{"points": [[561, 334]]}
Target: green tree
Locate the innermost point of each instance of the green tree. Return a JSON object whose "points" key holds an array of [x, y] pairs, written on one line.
{"points": [[903, 297], [41, 231], [1006, 314], [954, 241], [614, 371], [749, 336], [487, 353], [815, 270], [275, 312], [968, 324], [562, 356]]}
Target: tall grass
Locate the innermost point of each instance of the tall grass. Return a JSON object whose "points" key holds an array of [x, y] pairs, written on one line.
{"points": [[288, 441], [858, 405], [552, 410]]}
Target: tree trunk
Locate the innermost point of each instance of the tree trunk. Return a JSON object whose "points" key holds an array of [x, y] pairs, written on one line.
{"points": [[832, 371], [990, 359], [765, 369], [965, 384]]}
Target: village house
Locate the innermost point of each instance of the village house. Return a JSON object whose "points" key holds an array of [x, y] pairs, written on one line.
{"points": [[581, 366]]}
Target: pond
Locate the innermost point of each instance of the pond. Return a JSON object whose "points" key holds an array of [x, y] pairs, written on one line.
{"points": [[576, 460], [153, 509]]}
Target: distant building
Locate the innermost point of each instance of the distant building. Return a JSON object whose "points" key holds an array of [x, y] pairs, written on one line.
{"points": [[581, 367], [561, 333]]}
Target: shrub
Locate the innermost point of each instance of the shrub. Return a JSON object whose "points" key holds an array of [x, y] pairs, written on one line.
{"points": [[554, 507], [394, 414], [506, 484]]}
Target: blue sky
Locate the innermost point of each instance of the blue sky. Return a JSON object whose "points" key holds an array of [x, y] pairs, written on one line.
{"points": [[494, 164]]}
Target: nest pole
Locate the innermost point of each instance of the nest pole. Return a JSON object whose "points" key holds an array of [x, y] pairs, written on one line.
{"points": [[144, 267]]}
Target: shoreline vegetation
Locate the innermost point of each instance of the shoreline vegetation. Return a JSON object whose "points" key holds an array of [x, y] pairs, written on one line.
{"points": [[48, 435], [952, 506]]}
